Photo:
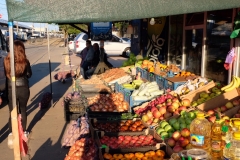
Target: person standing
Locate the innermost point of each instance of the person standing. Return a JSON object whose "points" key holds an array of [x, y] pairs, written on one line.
{"points": [[95, 61], [88, 59], [22, 73]]}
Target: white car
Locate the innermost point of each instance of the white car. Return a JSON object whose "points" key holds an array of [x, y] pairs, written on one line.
{"points": [[71, 45], [116, 46]]}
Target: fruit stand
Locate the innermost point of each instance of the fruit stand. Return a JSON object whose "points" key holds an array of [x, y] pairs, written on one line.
{"points": [[149, 115]]}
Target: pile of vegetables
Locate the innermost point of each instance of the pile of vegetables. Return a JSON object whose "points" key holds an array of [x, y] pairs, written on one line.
{"points": [[113, 102], [74, 131], [84, 149], [112, 74], [75, 102], [147, 91]]}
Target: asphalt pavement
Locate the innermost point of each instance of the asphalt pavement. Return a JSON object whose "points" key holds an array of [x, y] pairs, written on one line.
{"points": [[47, 126]]}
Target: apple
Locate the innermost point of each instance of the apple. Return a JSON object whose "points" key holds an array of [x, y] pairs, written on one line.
{"points": [[156, 113], [177, 149], [167, 115], [159, 106], [182, 108], [171, 109], [223, 108], [149, 114], [176, 135], [149, 137], [185, 132], [149, 122], [119, 141], [237, 115], [161, 118], [168, 103], [162, 110], [176, 113], [175, 105], [153, 109], [235, 103], [113, 139], [171, 142], [186, 102], [141, 137], [175, 100], [210, 112], [212, 119], [229, 105], [184, 142], [134, 137], [189, 146], [155, 120], [145, 118], [169, 100]]}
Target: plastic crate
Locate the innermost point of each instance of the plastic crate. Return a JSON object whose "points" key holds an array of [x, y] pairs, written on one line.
{"points": [[151, 77], [144, 73], [160, 81]]}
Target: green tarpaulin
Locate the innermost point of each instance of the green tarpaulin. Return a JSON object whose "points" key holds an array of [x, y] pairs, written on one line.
{"points": [[77, 11]]}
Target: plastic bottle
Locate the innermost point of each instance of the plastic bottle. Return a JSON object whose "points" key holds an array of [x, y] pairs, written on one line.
{"points": [[227, 137], [216, 141], [200, 130], [235, 145]]}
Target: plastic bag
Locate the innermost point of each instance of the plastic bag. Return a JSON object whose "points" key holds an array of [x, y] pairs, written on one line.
{"points": [[22, 138]]}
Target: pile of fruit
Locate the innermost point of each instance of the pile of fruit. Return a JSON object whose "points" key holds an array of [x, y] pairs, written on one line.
{"points": [[235, 83], [163, 107], [166, 128], [150, 155], [112, 74], [128, 141], [149, 65], [133, 85], [83, 149], [173, 68], [205, 96], [113, 102], [184, 74], [123, 126]]}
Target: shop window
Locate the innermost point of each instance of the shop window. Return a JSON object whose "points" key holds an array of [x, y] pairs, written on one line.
{"points": [[194, 19], [219, 28], [176, 34]]}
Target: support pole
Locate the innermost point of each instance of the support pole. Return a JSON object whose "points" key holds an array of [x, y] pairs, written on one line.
{"points": [[14, 119], [50, 69]]}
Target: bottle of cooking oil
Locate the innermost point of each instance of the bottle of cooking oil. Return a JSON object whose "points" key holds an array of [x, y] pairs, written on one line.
{"points": [[216, 140], [226, 138], [200, 130], [235, 145]]}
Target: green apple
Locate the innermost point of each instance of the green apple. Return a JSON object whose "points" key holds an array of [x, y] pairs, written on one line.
{"points": [[176, 125], [188, 126], [194, 103], [170, 134], [215, 89], [218, 93], [167, 128], [188, 121], [204, 95], [183, 125], [181, 120], [164, 135], [212, 95]]}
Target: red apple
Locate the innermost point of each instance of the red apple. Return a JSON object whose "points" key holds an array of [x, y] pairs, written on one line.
{"points": [[171, 109], [149, 122], [176, 113], [217, 110], [156, 114], [162, 110], [141, 137], [113, 139], [210, 112], [175, 105], [223, 108], [212, 119], [185, 132], [134, 137], [119, 141], [161, 118], [149, 137], [149, 114], [169, 104], [177, 149], [182, 108], [175, 100], [184, 142], [159, 106], [153, 109], [237, 115], [235, 102], [167, 115], [171, 142], [186, 102], [125, 142], [176, 135]]}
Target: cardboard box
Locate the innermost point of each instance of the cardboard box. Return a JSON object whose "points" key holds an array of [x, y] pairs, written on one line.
{"points": [[220, 100], [194, 95], [173, 82]]}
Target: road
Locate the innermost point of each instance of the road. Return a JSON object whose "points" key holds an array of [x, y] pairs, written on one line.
{"points": [[47, 126]]}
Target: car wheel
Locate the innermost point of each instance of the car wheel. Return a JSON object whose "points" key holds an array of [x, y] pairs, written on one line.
{"points": [[126, 52]]}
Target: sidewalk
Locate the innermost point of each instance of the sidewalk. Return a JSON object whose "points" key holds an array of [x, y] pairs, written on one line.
{"points": [[47, 126]]}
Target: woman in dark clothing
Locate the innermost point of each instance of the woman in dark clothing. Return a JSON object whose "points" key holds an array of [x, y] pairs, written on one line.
{"points": [[22, 73], [95, 60]]}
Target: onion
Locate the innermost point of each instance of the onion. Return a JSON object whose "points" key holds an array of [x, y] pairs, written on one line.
{"points": [[121, 110], [110, 109], [100, 106], [120, 97]]}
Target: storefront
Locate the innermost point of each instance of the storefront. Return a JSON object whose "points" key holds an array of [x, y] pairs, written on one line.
{"points": [[199, 42]]}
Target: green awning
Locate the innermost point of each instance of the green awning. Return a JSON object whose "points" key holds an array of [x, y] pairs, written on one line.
{"points": [[82, 11]]}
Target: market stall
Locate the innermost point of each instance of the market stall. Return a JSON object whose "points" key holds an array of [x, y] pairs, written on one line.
{"points": [[155, 113]]}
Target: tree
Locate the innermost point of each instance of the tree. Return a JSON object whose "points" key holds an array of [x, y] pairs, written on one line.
{"points": [[122, 27]]}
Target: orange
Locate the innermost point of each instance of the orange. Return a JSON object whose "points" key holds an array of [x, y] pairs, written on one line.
{"points": [[117, 156], [160, 153], [107, 156], [139, 155], [152, 153], [129, 155]]}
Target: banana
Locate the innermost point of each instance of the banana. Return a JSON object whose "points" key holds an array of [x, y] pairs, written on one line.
{"points": [[238, 79], [227, 86], [233, 86]]}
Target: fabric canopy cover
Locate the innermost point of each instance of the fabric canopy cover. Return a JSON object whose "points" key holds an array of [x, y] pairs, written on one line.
{"points": [[83, 11]]}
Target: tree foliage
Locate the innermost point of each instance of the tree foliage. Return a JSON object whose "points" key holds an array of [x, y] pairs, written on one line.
{"points": [[122, 27]]}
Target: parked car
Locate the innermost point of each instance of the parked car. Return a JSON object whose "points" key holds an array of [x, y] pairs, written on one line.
{"points": [[3, 54], [115, 46]]}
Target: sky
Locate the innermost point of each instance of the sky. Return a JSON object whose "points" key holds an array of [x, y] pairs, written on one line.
{"points": [[3, 11]]}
